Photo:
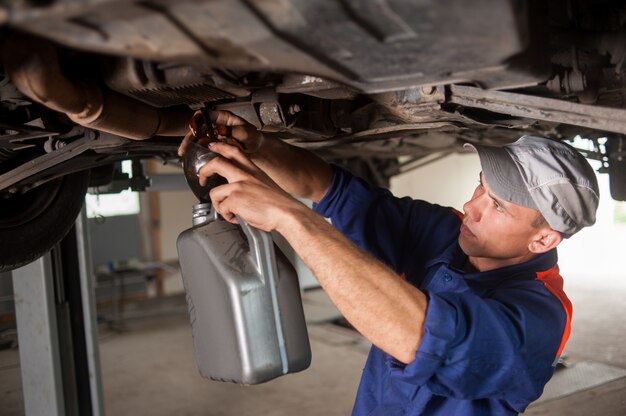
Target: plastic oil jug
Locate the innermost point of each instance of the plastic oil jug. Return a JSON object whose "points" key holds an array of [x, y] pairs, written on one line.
{"points": [[244, 300]]}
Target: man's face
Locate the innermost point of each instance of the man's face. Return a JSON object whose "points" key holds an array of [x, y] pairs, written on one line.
{"points": [[495, 230]]}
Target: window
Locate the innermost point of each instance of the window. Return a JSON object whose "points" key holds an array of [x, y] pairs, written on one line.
{"points": [[109, 205]]}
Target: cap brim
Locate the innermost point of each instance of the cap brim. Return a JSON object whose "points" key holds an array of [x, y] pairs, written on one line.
{"points": [[502, 174]]}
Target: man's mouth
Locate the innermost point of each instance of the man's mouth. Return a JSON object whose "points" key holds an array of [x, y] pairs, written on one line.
{"points": [[466, 231]]}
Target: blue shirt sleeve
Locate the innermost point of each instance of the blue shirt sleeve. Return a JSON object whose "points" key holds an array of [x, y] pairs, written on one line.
{"points": [[498, 347], [390, 228]]}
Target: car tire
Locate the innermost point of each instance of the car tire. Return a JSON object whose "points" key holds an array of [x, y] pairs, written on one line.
{"points": [[33, 222], [617, 167]]}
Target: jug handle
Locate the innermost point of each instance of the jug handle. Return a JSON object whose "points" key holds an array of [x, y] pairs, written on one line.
{"points": [[262, 249]]}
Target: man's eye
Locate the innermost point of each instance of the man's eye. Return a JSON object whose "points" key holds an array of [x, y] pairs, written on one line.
{"points": [[498, 207]]}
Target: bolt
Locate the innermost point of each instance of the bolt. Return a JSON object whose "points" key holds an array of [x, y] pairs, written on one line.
{"points": [[576, 81], [49, 144], [294, 109], [554, 84], [428, 90]]}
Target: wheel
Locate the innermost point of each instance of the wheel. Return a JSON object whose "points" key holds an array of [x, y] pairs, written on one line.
{"points": [[33, 222], [617, 167]]}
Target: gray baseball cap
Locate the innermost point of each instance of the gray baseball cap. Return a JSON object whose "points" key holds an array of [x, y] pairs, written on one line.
{"points": [[546, 175]]}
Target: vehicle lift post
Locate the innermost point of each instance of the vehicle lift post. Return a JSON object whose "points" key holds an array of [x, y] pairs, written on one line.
{"points": [[57, 330]]}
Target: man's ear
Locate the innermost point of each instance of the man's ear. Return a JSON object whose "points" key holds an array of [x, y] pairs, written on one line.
{"points": [[545, 240]]}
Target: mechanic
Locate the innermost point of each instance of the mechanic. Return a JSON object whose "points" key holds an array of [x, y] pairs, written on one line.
{"points": [[465, 311]]}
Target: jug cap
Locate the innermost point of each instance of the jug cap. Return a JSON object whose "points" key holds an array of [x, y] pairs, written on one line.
{"points": [[203, 213]]}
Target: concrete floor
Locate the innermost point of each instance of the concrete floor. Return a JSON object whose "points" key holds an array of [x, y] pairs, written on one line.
{"points": [[149, 367]]}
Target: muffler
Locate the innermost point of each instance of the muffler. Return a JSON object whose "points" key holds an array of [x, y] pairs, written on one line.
{"points": [[33, 66]]}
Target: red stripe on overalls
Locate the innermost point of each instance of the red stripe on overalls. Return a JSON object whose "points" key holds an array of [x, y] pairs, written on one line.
{"points": [[458, 213], [553, 281]]}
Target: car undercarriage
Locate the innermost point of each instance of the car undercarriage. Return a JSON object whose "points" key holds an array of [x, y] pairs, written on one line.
{"points": [[381, 86]]}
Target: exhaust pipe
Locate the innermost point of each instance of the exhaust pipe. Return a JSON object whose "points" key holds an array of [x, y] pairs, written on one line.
{"points": [[33, 66]]}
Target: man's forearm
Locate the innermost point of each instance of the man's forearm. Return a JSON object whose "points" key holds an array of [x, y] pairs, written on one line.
{"points": [[298, 171], [385, 309]]}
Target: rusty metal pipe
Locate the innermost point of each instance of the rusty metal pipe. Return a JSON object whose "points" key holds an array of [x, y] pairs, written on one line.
{"points": [[33, 66]]}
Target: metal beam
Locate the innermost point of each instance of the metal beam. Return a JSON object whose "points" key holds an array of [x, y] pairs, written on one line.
{"points": [[49, 160], [38, 339], [88, 297], [57, 330], [539, 108]]}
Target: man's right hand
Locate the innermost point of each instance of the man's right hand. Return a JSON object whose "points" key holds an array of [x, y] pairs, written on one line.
{"points": [[296, 170], [243, 132]]}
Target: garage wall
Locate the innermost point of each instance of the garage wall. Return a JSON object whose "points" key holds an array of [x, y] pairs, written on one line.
{"points": [[106, 244], [175, 216], [449, 181], [175, 210]]}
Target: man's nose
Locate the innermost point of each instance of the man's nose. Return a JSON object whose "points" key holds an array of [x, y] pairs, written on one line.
{"points": [[472, 208]]}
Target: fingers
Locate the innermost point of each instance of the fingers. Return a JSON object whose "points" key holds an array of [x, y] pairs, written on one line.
{"points": [[227, 126], [221, 117], [219, 195], [196, 123], [223, 167], [226, 118], [190, 137], [196, 126], [184, 143], [259, 205], [233, 153], [221, 202]]}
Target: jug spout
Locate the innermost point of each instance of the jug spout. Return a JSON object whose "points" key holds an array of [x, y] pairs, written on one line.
{"points": [[203, 213]]}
